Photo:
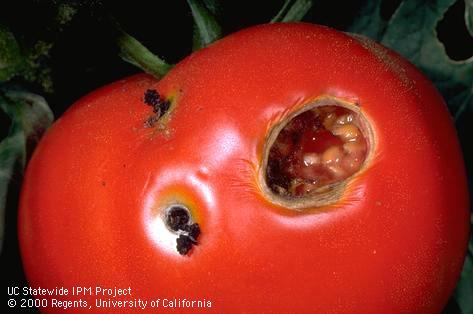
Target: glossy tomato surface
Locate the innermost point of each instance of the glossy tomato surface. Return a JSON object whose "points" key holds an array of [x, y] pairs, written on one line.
{"points": [[393, 240]]}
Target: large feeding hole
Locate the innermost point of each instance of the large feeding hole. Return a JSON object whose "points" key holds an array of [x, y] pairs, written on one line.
{"points": [[315, 150]]}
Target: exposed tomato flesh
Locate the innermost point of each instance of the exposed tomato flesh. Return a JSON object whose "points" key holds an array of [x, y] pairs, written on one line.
{"points": [[316, 148]]}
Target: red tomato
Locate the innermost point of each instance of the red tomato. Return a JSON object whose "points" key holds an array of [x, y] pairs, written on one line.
{"points": [[389, 238]]}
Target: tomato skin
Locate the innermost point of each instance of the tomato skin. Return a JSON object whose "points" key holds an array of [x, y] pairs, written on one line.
{"points": [[394, 242]]}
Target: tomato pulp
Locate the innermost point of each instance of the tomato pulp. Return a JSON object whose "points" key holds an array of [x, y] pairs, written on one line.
{"points": [[137, 165]]}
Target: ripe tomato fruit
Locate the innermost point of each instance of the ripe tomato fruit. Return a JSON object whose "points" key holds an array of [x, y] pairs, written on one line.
{"points": [[285, 168]]}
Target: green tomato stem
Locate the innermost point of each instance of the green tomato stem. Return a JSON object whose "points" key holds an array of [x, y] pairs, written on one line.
{"points": [[132, 51]]}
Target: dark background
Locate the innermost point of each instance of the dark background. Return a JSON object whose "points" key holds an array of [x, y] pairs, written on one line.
{"points": [[85, 57]]}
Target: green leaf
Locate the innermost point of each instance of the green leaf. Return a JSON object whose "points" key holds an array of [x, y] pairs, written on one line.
{"points": [[368, 21], [464, 99], [132, 51], [469, 15], [26, 62], [65, 13], [464, 290], [30, 117], [37, 69], [29, 59], [412, 32], [207, 29], [213, 6], [295, 12], [11, 61]]}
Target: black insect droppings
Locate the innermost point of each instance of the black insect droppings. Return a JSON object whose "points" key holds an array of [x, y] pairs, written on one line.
{"points": [[193, 232], [184, 244], [178, 220], [159, 104], [152, 97], [187, 238]]}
